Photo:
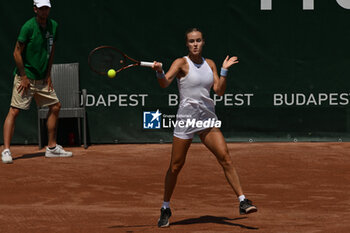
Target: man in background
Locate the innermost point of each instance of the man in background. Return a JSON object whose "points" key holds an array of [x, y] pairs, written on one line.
{"points": [[33, 55]]}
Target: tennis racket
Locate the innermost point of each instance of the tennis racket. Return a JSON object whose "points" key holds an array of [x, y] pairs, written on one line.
{"points": [[104, 58]]}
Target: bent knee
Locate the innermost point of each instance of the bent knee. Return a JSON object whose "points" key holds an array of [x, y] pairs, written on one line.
{"points": [[226, 161], [175, 168], [55, 107], [13, 112]]}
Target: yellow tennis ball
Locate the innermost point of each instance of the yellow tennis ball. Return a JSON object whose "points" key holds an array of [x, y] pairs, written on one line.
{"points": [[111, 73]]}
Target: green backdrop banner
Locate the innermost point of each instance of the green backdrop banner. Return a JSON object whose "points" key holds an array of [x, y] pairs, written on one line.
{"points": [[292, 81]]}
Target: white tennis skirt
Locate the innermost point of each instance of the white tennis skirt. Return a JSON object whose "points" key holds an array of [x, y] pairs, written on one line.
{"points": [[193, 117]]}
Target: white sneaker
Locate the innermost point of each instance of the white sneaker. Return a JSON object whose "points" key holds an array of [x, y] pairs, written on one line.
{"points": [[57, 152], [6, 156]]}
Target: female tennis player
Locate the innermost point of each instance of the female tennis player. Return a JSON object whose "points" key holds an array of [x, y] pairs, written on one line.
{"points": [[195, 77]]}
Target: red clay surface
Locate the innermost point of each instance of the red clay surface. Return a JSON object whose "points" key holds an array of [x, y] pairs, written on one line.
{"points": [[298, 187]]}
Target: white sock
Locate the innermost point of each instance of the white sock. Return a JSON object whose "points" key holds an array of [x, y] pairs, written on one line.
{"points": [[166, 204], [241, 198]]}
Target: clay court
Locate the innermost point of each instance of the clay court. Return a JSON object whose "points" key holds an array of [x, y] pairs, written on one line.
{"points": [[298, 187]]}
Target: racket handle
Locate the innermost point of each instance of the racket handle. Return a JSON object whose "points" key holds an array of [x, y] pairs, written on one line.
{"points": [[147, 64]]}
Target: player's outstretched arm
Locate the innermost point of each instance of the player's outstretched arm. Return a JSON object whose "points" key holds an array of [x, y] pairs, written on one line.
{"points": [[220, 81], [165, 79]]}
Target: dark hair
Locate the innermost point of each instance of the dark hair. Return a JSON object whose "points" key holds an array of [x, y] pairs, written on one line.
{"points": [[192, 30]]}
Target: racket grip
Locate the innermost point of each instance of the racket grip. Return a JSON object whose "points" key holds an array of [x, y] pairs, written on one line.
{"points": [[147, 64]]}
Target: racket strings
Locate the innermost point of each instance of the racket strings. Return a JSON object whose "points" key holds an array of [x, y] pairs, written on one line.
{"points": [[104, 59]]}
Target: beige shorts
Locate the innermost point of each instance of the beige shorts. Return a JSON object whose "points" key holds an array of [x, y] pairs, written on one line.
{"points": [[38, 89]]}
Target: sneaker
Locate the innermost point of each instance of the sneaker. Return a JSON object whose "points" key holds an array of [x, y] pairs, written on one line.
{"points": [[57, 152], [247, 207], [163, 220], [6, 156]]}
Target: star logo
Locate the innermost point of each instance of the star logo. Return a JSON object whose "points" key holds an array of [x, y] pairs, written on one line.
{"points": [[156, 115], [152, 119]]}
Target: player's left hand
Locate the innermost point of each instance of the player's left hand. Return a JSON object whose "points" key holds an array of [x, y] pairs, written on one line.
{"points": [[228, 62]]}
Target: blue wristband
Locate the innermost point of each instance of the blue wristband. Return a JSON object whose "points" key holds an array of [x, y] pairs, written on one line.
{"points": [[223, 72], [160, 75]]}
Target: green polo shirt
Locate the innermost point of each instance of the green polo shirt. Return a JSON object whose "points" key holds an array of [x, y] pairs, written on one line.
{"points": [[38, 44]]}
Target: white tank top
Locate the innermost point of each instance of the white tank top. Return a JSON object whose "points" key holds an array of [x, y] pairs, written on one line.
{"points": [[195, 101], [196, 85]]}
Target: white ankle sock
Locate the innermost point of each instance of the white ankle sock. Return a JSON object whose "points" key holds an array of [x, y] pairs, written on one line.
{"points": [[166, 204], [241, 198]]}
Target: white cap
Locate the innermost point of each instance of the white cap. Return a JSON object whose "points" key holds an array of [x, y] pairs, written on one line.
{"points": [[41, 3]]}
